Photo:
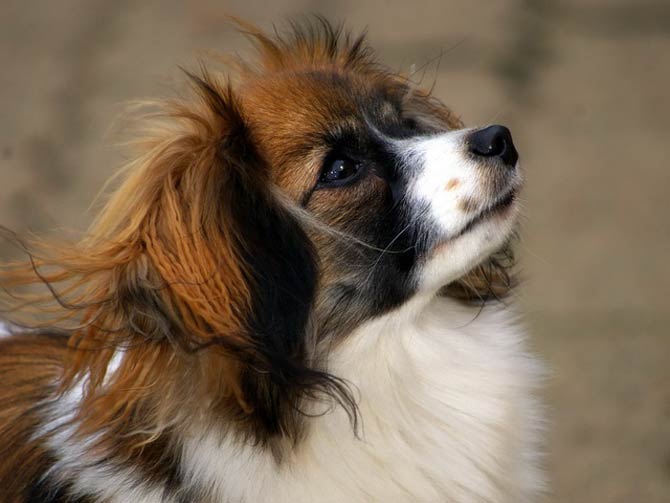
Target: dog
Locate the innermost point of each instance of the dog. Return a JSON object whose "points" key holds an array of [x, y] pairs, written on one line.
{"points": [[299, 292]]}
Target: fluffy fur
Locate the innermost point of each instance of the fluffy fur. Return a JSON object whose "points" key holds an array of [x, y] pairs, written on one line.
{"points": [[295, 294]]}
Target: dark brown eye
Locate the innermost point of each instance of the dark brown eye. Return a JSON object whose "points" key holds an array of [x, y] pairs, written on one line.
{"points": [[339, 171]]}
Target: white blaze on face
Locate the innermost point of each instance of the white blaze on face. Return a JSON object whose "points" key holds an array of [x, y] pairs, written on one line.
{"points": [[454, 188], [443, 177]]}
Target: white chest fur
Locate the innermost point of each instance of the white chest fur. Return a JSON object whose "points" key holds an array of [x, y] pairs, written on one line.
{"points": [[448, 414]]}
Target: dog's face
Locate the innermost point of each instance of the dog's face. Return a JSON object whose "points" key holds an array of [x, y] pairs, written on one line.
{"points": [[402, 199]]}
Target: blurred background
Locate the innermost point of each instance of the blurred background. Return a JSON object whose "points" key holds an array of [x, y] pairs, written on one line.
{"points": [[583, 84]]}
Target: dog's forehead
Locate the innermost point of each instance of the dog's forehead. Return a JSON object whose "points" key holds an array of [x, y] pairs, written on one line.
{"points": [[292, 115], [310, 101]]}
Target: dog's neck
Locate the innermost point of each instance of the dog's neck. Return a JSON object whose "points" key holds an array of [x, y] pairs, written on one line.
{"points": [[447, 414]]}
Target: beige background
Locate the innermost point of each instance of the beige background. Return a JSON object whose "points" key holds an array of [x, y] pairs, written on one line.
{"points": [[584, 86]]}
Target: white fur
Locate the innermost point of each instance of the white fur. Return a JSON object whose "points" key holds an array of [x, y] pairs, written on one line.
{"points": [[457, 256], [438, 160], [4, 330], [448, 414], [444, 178], [76, 464]]}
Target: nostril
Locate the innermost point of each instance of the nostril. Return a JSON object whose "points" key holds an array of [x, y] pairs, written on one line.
{"points": [[494, 141], [489, 142]]}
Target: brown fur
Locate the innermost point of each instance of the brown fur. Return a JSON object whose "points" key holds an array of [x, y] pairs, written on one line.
{"points": [[162, 272], [29, 368]]}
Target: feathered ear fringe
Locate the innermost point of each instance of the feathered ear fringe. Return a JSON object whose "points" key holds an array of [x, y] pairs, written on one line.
{"points": [[173, 273], [160, 269]]}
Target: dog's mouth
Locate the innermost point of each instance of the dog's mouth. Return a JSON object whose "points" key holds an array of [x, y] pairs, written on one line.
{"points": [[499, 206]]}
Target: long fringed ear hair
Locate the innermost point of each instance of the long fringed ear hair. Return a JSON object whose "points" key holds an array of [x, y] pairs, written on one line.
{"points": [[199, 275]]}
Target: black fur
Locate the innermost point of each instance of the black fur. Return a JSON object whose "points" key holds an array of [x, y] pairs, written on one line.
{"points": [[278, 373], [49, 491]]}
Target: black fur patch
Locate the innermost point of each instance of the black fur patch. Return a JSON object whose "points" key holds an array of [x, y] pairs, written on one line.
{"points": [[159, 463], [283, 277], [49, 491]]}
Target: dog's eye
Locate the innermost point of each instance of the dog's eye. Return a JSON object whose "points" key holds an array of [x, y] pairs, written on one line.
{"points": [[339, 171]]}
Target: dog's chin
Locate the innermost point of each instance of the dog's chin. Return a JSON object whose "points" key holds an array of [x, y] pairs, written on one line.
{"points": [[455, 255]]}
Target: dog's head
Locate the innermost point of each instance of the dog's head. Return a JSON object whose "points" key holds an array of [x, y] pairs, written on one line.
{"points": [[395, 198], [267, 219]]}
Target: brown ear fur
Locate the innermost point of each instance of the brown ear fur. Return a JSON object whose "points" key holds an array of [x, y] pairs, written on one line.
{"points": [[29, 367], [178, 273], [160, 268]]}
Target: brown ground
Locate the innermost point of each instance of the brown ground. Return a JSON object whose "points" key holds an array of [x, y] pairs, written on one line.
{"points": [[583, 85]]}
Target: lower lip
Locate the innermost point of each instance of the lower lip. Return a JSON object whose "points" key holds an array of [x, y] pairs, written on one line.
{"points": [[499, 208]]}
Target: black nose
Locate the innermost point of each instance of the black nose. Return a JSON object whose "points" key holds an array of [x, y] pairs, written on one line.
{"points": [[494, 141]]}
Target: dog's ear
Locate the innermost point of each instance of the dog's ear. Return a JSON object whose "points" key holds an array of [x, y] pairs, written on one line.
{"points": [[213, 266], [231, 257]]}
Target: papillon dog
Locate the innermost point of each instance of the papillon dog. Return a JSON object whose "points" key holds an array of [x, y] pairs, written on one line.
{"points": [[299, 292]]}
